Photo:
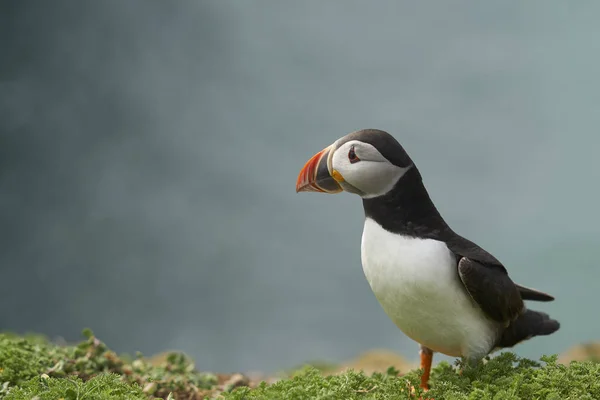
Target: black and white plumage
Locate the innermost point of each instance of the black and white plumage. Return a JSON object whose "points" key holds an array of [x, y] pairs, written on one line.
{"points": [[442, 290]]}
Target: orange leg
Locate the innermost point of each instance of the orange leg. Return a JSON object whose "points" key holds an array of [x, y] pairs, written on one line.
{"points": [[426, 360]]}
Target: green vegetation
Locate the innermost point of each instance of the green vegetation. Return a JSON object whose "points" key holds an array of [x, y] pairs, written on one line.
{"points": [[33, 368], [105, 386], [505, 377]]}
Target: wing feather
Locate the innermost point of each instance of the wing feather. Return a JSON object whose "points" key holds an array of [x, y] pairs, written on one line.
{"points": [[492, 290]]}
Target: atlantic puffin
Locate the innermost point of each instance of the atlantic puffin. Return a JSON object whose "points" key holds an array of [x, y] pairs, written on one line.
{"points": [[440, 289]]}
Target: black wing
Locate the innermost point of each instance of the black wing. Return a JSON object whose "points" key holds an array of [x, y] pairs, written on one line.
{"points": [[492, 289], [486, 280], [465, 248]]}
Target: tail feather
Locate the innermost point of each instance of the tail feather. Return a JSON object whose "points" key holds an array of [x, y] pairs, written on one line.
{"points": [[529, 324], [533, 294]]}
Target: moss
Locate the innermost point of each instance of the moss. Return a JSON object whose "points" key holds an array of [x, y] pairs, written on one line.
{"points": [[21, 359], [505, 377], [104, 386], [24, 361], [34, 368]]}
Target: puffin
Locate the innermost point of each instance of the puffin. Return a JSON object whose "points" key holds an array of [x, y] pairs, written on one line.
{"points": [[440, 289]]}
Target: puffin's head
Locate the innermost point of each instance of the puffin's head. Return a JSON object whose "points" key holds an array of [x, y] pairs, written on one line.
{"points": [[368, 162]]}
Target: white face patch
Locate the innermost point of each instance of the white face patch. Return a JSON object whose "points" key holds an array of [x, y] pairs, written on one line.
{"points": [[372, 176]]}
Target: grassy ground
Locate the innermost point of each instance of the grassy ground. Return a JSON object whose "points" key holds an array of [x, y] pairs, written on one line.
{"points": [[33, 368]]}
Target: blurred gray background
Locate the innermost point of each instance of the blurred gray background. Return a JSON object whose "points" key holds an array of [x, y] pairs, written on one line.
{"points": [[149, 152]]}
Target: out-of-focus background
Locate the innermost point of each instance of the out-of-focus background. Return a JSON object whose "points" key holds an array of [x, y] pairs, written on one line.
{"points": [[149, 152]]}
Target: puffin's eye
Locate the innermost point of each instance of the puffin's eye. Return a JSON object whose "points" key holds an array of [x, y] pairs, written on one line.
{"points": [[352, 156]]}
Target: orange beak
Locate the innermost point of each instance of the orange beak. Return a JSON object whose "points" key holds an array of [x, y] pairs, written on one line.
{"points": [[315, 175]]}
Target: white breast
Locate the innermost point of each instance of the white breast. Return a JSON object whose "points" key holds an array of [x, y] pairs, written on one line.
{"points": [[416, 283]]}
